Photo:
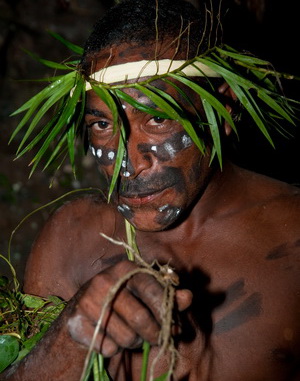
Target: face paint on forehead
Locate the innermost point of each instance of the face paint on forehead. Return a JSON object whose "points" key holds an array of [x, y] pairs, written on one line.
{"points": [[169, 148], [105, 156]]}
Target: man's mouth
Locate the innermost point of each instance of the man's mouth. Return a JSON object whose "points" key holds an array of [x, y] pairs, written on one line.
{"points": [[136, 200]]}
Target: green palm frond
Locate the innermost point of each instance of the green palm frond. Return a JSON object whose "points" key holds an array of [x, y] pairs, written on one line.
{"points": [[74, 48], [254, 82]]}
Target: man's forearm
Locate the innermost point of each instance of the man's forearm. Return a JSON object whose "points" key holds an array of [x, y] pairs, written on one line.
{"points": [[56, 357]]}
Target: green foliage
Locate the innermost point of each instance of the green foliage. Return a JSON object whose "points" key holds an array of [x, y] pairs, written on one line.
{"points": [[9, 349], [253, 81], [24, 319]]}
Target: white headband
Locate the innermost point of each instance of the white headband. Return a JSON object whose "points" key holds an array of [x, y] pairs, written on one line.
{"points": [[132, 70]]}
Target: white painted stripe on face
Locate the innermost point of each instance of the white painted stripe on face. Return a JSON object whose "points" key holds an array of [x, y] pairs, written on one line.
{"points": [[171, 151]]}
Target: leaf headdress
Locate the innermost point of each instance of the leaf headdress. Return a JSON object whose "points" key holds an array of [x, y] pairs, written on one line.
{"points": [[253, 81]]}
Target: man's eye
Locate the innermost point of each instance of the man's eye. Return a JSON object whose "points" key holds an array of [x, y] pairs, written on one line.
{"points": [[158, 119], [101, 125], [159, 125]]}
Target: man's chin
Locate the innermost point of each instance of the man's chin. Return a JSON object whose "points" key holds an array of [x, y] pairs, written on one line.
{"points": [[150, 220]]}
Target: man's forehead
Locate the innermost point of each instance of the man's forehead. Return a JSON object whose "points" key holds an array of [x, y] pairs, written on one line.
{"points": [[117, 54], [93, 98]]}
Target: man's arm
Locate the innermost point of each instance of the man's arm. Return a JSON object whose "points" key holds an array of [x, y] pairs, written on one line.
{"points": [[61, 353], [134, 316]]}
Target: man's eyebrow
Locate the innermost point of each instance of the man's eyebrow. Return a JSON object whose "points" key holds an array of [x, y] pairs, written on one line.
{"points": [[95, 112]]}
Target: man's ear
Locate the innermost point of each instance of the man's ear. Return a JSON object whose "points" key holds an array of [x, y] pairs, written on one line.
{"points": [[229, 99]]}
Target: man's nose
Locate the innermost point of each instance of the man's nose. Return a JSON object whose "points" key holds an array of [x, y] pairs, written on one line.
{"points": [[134, 161]]}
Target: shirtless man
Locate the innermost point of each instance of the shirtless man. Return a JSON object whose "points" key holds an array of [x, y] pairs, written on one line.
{"points": [[232, 236]]}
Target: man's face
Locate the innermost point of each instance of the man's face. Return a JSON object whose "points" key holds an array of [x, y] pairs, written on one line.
{"points": [[163, 171]]}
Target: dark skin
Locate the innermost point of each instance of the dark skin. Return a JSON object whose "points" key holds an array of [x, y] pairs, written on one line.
{"points": [[232, 236]]}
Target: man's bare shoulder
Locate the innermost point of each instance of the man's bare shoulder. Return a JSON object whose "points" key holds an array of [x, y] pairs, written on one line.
{"points": [[67, 250], [256, 190], [84, 208]]}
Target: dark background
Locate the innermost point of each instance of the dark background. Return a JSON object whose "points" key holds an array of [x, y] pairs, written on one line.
{"points": [[268, 28]]}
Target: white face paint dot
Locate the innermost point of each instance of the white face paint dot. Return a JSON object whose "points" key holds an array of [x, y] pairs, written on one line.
{"points": [[124, 163], [111, 155], [154, 148], [123, 107], [93, 151], [99, 152], [126, 174], [186, 141]]}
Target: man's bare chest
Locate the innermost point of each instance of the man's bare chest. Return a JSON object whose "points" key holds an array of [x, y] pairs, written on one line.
{"points": [[242, 323]]}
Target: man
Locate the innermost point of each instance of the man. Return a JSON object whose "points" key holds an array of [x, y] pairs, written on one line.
{"points": [[231, 236]]}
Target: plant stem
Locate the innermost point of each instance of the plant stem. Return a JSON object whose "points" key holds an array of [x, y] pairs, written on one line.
{"points": [[146, 351]]}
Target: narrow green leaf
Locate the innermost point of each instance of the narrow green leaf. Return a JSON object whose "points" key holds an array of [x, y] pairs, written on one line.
{"points": [[243, 57], [64, 89], [159, 101], [71, 149], [221, 61], [60, 148], [139, 106], [227, 74], [72, 135], [184, 96], [75, 48], [96, 370], [211, 99], [45, 79], [274, 105], [44, 94], [214, 129], [38, 137], [109, 100], [51, 64], [243, 98], [103, 373], [86, 376], [146, 351], [119, 159], [171, 101], [67, 113]]}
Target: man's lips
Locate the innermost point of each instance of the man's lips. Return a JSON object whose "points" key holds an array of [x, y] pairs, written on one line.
{"points": [[136, 200]]}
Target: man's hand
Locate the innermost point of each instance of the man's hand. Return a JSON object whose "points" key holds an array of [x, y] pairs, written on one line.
{"points": [[133, 316]]}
